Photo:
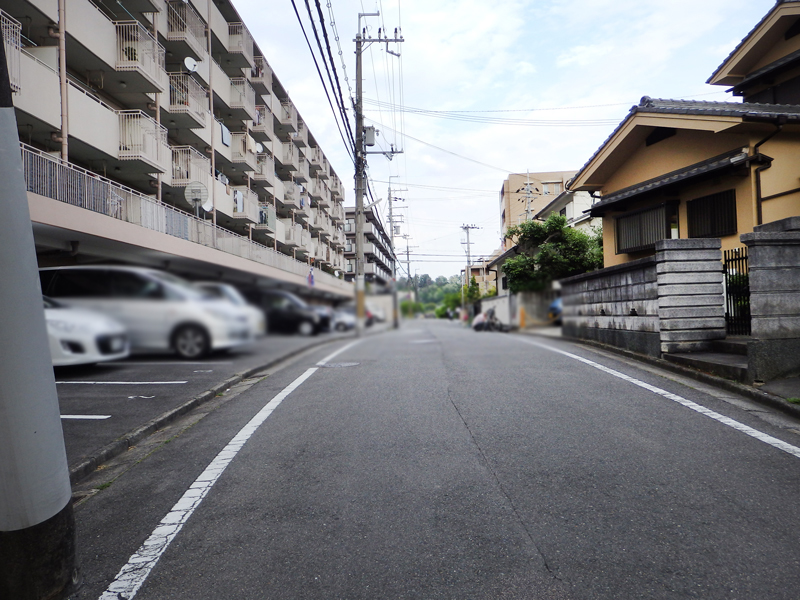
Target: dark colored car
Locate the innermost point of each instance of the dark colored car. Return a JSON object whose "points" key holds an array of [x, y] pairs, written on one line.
{"points": [[287, 313]]}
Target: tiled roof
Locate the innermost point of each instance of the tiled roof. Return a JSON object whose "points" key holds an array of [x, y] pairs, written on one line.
{"points": [[743, 110], [785, 61], [752, 31], [710, 165]]}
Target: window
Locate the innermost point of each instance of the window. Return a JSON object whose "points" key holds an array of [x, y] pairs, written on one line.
{"points": [[77, 283], [712, 216], [563, 212], [641, 229]]}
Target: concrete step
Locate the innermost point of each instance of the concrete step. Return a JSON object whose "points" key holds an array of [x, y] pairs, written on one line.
{"points": [[730, 366], [731, 345]]}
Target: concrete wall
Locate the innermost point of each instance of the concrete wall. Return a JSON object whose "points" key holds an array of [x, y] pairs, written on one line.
{"points": [[774, 254], [671, 302]]}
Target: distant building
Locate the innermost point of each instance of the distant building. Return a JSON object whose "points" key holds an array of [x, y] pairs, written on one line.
{"points": [[378, 258]]}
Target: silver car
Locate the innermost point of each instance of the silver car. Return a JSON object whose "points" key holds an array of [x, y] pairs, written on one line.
{"points": [[161, 312]]}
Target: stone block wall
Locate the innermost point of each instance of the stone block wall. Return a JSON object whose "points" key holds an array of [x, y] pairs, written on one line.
{"points": [[691, 307], [774, 256], [671, 302]]}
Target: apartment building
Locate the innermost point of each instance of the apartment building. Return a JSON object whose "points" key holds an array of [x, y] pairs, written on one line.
{"points": [[523, 195], [155, 132], [378, 257]]}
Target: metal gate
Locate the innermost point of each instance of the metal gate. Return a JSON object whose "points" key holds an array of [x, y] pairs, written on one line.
{"points": [[737, 291]]}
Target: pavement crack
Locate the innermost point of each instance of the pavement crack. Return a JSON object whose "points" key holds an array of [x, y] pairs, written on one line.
{"points": [[502, 489]]}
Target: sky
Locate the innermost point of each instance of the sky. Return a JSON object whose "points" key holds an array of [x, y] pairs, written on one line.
{"points": [[505, 85]]}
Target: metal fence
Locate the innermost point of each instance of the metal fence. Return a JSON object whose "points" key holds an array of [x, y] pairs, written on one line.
{"points": [[54, 178], [188, 96], [138, 50], [737, 291], [12, 30], [184, 24]]}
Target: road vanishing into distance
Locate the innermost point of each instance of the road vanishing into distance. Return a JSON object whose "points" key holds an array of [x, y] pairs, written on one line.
{"points": [[436, 462]]}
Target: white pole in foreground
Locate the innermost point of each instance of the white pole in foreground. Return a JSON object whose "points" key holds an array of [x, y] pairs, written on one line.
{"points": [[37, 529]]}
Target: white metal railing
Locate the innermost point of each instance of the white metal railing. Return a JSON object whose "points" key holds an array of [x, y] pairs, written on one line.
{"points": [[12, 30], [141, 138], [261, 72], [240, 41], [302, 169], [289, 155], [243, 150], [266, 218], [54, 178], [263, 120], [245, 204], [188, 166], [187, 96], [138, 50], [185, 25], [313, 155], [243, 96], [323, 168]]}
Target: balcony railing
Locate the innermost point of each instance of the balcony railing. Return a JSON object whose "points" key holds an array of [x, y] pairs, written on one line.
{"points": [[59, 180], [240, 41], [141, 138], [243, 96], [12, 30], [265, 169], [263, 121], [138, 50], [261, 73], [186, 96], [289, 156], [188, 166], [266, 218], [288, 116], [243, 150], [245, 204], [185, 25]]}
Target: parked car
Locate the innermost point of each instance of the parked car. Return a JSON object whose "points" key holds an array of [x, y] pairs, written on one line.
{"points": [[83, 337], [344, 319], [325, 316], [225, 291], [161, 311], [287, 313]]}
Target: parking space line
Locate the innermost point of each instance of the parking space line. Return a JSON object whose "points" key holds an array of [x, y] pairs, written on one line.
{"points": [[176, 362], [122, 382], [87, 417]]}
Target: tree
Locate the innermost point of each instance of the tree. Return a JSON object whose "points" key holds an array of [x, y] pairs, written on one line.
{"points": [[472, 293], [550, 251]]}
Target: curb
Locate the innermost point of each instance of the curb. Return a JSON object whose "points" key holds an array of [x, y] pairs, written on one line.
{"points": [[130, 439], [764, 398]]}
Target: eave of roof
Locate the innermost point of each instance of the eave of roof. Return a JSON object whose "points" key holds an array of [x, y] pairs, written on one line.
{"points": [[752, 32], [555, 201], [783, 63], [499, 260], [711, 165], [742, 110]]}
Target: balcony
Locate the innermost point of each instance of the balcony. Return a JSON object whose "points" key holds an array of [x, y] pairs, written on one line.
{"points": [[142, 139], [189, 166], [301, 137], [185, 25], [301, 174], [245, 204], [294, 234], [13, 47], [240, 45], [314, 155], [323, 168], [261, 75], [243, 151], [188, 102], [262, 124], [267, 218], [291, 196], [287, 156], [265, 170], [243, 99], [139, 53], [286, 117]]}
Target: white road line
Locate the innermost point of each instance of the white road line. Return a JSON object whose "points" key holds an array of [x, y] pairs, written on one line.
{"points": [[177, 362], [123, 382], [131, 577], [330, 357], [755, 433], [87, 417]]}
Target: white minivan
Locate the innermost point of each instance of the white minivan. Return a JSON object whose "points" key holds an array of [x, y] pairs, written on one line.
{"points": [[161, 312]]}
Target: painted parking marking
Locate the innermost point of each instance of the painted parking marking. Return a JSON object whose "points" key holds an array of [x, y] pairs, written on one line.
{"points": [[131, 577], [86, 417], [754, 433], [122, 382]]}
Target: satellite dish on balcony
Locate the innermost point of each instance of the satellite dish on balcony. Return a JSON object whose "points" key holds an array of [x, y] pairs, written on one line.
{"points": [[196, 194], [190, 64], [259, 147]]}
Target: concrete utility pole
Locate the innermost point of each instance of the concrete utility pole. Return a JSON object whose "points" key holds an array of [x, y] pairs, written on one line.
{"points": [[528, 194], [362, 42], [37, 528], [395, 308], [468, 270]]}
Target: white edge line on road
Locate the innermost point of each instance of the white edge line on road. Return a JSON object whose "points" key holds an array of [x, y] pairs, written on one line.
{"points": [[87, 417], [123, 382], [166, 363], [131, 577], [755, 433], [337, 353]]}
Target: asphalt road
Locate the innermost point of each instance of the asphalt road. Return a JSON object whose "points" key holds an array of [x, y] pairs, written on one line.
{"points": [[100, 403], [436, 462]]}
